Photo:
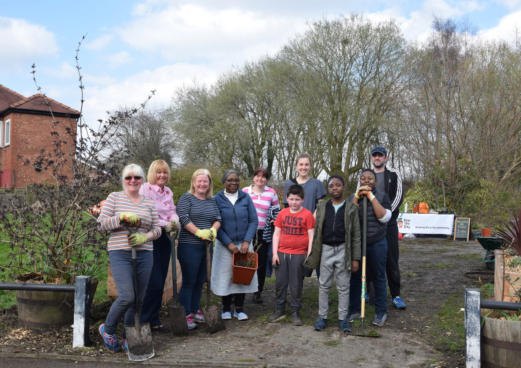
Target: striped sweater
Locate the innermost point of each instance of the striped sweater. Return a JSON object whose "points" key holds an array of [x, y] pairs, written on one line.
{"points": [[201, 212], [263, 202], [108, 220]]}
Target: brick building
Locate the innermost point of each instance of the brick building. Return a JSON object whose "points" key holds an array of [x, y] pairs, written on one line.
{"points": [[26, 128]]}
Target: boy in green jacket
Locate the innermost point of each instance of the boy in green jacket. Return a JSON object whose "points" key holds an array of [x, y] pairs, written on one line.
{"points": [[336, 249]]}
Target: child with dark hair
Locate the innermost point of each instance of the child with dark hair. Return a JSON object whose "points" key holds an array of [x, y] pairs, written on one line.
{"points": [[336, 250], [291, 245]]}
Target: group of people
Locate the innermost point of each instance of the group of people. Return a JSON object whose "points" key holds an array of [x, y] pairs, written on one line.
{"points": [[308, 234]]}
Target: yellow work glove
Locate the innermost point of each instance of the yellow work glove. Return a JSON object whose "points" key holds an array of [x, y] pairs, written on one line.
{"points": [[129, 218], [214, 233], [137, 239], [205, 234]]}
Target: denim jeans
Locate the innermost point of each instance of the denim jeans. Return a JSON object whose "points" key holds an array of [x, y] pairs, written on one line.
{"points": [[122, 271], [192, 258], [154, 294], [376, 258]]}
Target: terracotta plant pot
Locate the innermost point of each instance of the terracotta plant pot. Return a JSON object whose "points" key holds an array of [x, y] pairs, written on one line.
{"points": [[244, 267], [486, 231]]}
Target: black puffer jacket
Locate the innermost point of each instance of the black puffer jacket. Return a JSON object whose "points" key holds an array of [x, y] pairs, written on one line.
{"points": [[375, 229]]}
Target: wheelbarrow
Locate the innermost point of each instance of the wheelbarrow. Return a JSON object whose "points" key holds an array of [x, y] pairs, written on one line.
{"points": [[490, 243]]}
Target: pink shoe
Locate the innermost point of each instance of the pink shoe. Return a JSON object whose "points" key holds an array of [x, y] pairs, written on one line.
{"points": [[199, 317], [190, 322]]}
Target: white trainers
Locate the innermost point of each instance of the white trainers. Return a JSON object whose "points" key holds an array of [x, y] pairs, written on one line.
{"points": [[241, 316], [226, 315]]}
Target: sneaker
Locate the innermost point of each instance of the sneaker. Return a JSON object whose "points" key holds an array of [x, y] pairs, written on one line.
{"points": [[399, 303], [226, 315], [190, 322], [344, 325], [320, 324], [199, 317], [257, 299], [241, 316], [277, 316], [295, 319], [379, 320], [124, 344], [111, 341], [352, 316]]}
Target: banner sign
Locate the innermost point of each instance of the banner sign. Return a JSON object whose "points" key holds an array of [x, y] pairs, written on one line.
{"points": [[415, 223]]}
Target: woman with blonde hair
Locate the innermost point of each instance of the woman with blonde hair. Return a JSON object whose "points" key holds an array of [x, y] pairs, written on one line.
{"points": [[120, 211], [156, 190], [200, 219]]}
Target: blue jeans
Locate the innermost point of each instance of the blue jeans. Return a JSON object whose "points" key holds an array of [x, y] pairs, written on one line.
{"points": [[192, 258], [376, 258], [122, 271], [154, 294]]}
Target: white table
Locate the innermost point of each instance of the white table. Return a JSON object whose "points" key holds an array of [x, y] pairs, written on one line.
{"points": [[415, 223]]}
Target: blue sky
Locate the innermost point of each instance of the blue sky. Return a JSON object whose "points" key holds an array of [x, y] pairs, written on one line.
{"points": [[134, 46]]}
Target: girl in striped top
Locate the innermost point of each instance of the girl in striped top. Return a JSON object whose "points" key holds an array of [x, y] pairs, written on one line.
{"points": [[263, 198], [120, 211]]}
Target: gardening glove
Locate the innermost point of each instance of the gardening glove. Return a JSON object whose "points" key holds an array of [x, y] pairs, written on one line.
{"points": [[205, 234], [129, 218], [137, 239], [362, 191], [214, 233]]}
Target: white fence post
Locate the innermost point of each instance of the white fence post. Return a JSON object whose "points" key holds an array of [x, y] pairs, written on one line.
{"points": [[472, 328], [80, 335]]}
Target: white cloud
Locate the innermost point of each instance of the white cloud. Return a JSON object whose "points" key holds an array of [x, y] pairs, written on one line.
{"points": [[119, 59], [508, 29], [194, 33], [22, 42], [511, 4], [133, 90], [99, 43]]}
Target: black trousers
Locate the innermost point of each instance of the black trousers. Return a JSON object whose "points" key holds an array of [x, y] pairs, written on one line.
{"points": [[236, 299], [262, 252], [393, 257]]}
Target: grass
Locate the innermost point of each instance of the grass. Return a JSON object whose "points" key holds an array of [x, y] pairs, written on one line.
{"points": [[448, 327]]}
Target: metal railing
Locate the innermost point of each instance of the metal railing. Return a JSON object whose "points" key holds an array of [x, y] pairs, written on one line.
{"points": [[82, 301]]}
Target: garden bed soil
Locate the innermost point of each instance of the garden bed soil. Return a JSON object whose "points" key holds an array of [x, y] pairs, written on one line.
{"points": [[435, 273]]}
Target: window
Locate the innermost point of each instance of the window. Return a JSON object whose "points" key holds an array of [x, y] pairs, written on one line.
{"points": [[7, 133], [1, 131]]}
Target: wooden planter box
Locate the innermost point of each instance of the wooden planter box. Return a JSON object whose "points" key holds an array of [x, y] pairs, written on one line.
{"points": [[507, 280]]}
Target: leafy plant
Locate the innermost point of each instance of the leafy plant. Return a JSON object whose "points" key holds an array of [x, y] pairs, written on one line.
{"points": [[49, 232], [511, 233]]}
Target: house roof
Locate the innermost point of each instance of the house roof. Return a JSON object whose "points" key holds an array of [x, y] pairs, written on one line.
{"points": [[7, 97], [11, 101]]}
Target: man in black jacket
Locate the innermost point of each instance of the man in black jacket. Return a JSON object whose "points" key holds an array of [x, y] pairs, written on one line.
{"points": [[390, 182]]}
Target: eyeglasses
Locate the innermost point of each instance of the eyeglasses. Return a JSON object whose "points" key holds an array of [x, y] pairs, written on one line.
{"points": [[128, 178]]}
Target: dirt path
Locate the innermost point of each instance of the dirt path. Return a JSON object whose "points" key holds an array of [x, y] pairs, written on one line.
{"points": [[433, 274]]}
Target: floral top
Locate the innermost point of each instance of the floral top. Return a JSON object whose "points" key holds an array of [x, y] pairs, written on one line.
{"points": [[164, 201]]}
